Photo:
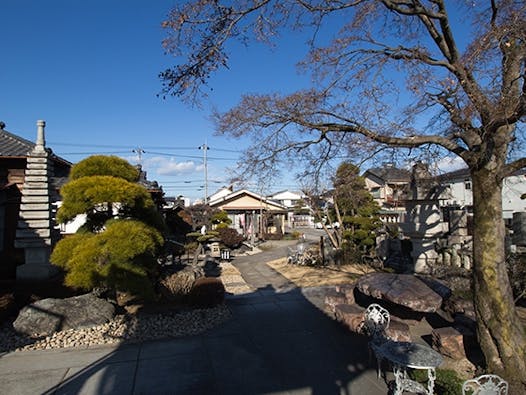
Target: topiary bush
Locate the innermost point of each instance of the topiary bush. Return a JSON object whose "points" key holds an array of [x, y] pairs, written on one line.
{"points": [[122, 258], [207, 292]]}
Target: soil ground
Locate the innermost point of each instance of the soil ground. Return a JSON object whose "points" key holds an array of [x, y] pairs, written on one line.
{"points": [[309, 276]]}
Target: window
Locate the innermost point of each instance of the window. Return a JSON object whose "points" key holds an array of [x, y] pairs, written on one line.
{"points": [[467, 183]]}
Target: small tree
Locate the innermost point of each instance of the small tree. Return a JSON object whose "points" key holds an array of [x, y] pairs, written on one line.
{"points": [[118, 245], [356, 210], [220, 220]]}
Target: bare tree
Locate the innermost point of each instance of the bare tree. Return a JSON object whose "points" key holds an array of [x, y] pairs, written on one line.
{"points": [[399, 73]]}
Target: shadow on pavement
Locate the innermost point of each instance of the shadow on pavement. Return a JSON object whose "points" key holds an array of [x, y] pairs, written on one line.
{"points": [[276, 342]]}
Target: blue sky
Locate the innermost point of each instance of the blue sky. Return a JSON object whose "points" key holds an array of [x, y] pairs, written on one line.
{"points": [[89, 69]]}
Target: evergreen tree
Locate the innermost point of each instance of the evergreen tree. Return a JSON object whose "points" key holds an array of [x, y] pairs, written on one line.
{"points": [[118, 245], [355, 209]]}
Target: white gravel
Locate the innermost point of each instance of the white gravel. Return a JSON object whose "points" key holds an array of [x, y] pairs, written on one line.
{"points": [[121, 329]]}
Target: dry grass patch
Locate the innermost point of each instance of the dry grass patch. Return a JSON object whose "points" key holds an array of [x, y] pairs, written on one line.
{"points": [[309, 276]]}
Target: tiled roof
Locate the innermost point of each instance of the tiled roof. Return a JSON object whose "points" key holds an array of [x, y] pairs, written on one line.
{"points": [[390, 174], [14, 146], [454, 175]]}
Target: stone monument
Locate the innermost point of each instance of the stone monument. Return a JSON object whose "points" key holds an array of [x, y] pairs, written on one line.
{"points": [[423, 224], [35, 231]]}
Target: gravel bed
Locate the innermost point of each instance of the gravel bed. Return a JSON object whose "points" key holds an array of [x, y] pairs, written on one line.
{"points": [[121, 329]]}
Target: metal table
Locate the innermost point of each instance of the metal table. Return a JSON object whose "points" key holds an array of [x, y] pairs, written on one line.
{"points": [[404, 355]]}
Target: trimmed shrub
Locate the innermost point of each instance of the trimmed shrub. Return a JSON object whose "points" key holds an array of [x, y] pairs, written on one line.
{"points": [[104, 165], [229, 237], [123, 258], [207, 292]]}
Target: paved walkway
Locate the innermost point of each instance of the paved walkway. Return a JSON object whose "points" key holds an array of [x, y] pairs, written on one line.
{"points": [[278, 342]]}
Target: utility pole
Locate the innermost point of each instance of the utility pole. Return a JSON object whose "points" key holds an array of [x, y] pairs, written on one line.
{"points": [[139, 151], [205, 148]]}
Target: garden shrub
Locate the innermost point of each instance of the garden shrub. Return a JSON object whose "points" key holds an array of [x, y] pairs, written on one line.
{"points": [[447, 381], [207, 292], [104, 165], [121, 258], [230, 237]]}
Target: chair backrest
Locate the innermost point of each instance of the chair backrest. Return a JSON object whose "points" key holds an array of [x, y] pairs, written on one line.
{"points": [[376, 320], [487, 384]]}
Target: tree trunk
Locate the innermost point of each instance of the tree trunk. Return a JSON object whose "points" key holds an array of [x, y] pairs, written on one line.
{"points": [[501, 335]]}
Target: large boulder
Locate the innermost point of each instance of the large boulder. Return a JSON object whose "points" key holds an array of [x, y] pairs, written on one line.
{"points": [[174, 286], [47, 316], [402, 289]]}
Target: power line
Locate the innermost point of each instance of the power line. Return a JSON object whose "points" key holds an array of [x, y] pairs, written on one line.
{"points": [[143, 146]]}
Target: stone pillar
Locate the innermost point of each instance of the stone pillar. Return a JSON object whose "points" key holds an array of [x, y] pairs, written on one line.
{"points": [[35, 224]]}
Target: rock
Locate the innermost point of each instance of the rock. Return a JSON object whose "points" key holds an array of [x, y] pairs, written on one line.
{"points": [[47, 316], [402, 289], [462, 311], [348, 290], [458, 306], [351, 315], [334, 298], [449, 342], [398, 331], [175, 285], [466, 320], [443, 290]]}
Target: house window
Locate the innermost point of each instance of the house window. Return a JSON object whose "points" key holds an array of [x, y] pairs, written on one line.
{"points": [[467, 183], [376, 193]]}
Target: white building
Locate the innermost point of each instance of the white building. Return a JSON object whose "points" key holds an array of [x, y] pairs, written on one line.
{"points": [[458, 191], [294, 201]]}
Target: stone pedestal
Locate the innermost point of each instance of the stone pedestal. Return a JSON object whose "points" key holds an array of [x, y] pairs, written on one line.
{"points": [[424, 227]]}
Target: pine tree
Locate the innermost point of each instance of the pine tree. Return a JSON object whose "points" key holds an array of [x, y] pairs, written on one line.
{"points": [[118, 245]]}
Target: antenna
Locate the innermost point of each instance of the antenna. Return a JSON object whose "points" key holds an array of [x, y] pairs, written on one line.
{"points": [[205, 148]]}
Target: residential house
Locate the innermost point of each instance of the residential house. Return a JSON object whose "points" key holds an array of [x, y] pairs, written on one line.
{"points": [[459, 194], [30, 178], [220, 193], [298, 213], [252, 215], [388, 186]]}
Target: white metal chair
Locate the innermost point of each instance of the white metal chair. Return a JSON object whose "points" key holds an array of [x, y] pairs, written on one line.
{"points": [[487, 384], [375, 324]]}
